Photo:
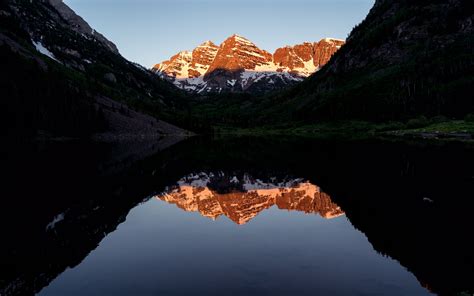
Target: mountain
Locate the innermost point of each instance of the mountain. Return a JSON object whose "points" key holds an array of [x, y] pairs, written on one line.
{"points": [[78, 24], [242, 198], [60, 77], [406, 59], [238, 65]]}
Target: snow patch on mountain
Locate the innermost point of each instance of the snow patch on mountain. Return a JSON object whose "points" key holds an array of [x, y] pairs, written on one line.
{"points": [[43, 50], [238, 65]]}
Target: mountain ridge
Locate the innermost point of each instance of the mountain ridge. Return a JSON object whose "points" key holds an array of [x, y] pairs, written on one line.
{"points": [[408, 61], [238, 65], [79, 24]]}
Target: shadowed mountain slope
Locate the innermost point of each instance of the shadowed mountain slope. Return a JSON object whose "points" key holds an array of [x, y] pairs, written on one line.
{"points": [[406, 59], [60, 77]]}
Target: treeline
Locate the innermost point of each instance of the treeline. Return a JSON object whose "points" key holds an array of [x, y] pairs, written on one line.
{"points": [[407, 59], [40, 94], [34, 100]]}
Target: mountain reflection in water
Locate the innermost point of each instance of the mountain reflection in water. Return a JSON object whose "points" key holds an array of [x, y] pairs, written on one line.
{"points": [[242, 198], [87, 226]]}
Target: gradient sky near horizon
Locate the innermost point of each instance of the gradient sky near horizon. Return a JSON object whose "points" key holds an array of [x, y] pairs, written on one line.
{"points": [[150, 31]]}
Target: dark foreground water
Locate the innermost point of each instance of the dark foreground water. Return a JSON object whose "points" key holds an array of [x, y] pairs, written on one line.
{"points": [[237, 216]]}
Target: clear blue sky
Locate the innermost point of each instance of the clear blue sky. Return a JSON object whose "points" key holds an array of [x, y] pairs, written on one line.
{"points": [[150, 31]]}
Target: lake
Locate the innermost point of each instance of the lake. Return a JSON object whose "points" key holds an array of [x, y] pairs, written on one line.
{"points": [[238, 216]]}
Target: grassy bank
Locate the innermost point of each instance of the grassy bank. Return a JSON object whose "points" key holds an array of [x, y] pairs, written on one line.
{"points": [[417, 128]]}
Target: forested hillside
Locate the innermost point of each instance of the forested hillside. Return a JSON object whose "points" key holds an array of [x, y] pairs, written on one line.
{"points": [[54, 76]]}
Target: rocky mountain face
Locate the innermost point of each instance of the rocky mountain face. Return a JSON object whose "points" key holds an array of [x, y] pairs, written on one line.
{"points": [[238, 65], [242, 198], [189, 64], [61, 77], [406, 59], [78, 24]]}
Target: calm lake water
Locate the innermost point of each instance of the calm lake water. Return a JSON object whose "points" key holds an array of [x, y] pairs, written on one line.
{"points": [[238, 216]]}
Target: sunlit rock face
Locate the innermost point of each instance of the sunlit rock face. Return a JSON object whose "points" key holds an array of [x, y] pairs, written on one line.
{"points": [[241, 198], [187, 64], [238, 65], [304, 59], [237, 53]]}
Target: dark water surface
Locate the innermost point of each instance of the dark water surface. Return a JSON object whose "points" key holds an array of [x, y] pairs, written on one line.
{"points": [[237, 216]]}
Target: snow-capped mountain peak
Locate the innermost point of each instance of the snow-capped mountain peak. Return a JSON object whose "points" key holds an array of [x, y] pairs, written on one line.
{"points": [[238, 65]]}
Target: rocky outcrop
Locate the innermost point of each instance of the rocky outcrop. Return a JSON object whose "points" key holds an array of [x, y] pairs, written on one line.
{"points": [[238, 65], [242, 198], [324, 50], [307, 58]]}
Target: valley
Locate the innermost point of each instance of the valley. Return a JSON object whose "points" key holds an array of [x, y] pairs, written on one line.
{"points": [[137, 163], [380, 76]]}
